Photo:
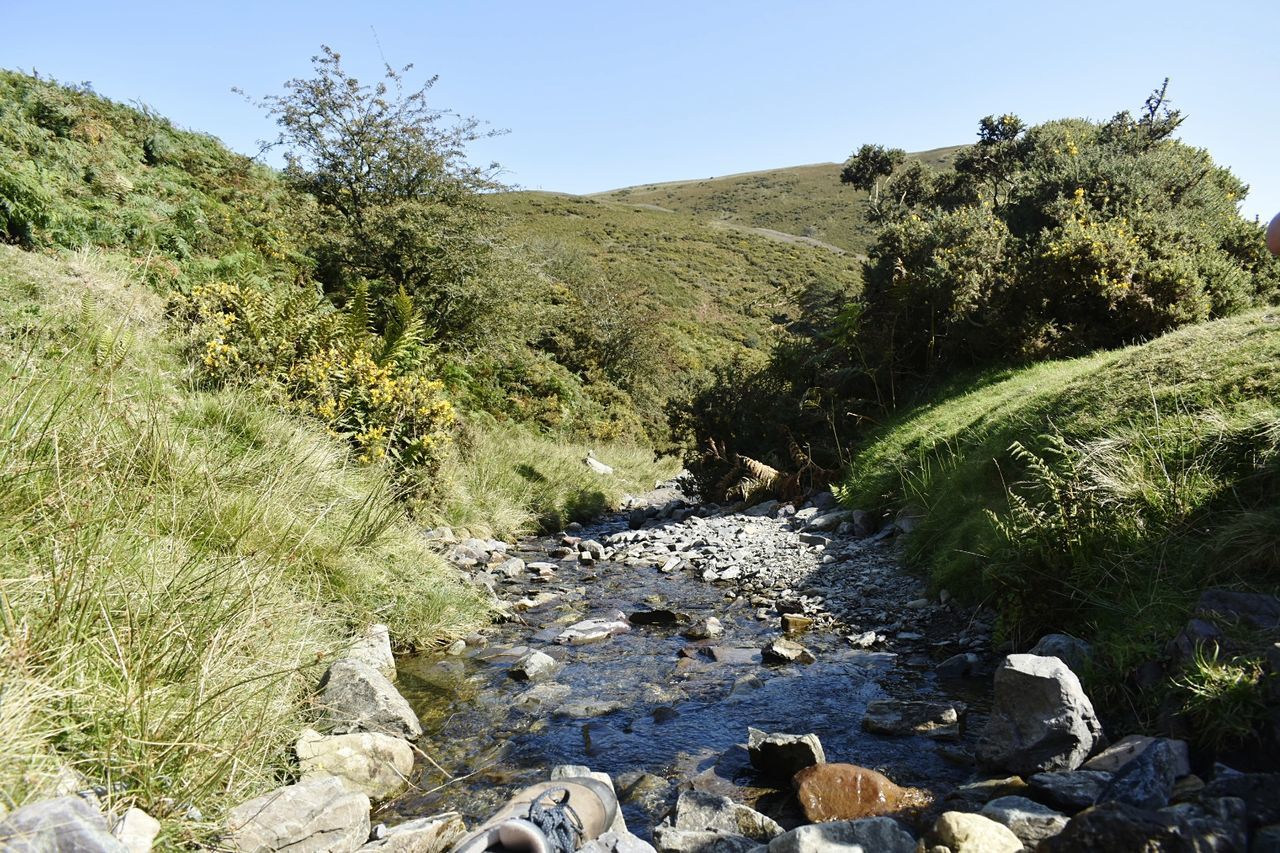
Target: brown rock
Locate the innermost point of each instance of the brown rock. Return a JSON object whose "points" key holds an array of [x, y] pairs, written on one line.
{"points": [[845, 792], [794, 623]]}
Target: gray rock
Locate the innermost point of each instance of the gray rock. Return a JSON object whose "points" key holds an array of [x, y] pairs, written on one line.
{"points": [[617, 842], [1258, 609], [1147, 781], [1029, 820], [592, 547], [1121, 828], [50, 826], [828, 520], [909, 717], [781, 755], [1266, 840], [422, 835], [700, 810], [533, 666], [511, 568], [1069, 790], [965, 832], [668, 839], [355, 697], [593, 631], [137, 830], [373, 764], [704, 629], [312, 816], [761, 510], [596, 465], [1125, 750], [1074, 652], [963, 665], [543, 696], [374, 648], [863, 523], [1257, 790], [868, 835], [782, 650], [1041, 719]]}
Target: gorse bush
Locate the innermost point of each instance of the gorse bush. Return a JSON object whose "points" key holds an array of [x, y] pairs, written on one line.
{"points": [[366, 387]]}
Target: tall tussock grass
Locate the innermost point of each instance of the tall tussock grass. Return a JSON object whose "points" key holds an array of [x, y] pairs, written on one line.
{"points": [[176, 568]]}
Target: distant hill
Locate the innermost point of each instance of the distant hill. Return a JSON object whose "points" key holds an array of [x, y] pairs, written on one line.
{"points": [[722, 289], [805, 201]]}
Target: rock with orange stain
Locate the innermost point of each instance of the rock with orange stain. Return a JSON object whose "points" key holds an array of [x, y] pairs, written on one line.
{"points": [[846, 792]]}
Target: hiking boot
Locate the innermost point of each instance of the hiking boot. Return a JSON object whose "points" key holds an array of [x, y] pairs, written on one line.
{"points": [[550, 817]]}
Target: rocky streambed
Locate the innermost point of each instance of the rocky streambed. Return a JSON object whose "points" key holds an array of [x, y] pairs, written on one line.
{"points": [[648, 644]]}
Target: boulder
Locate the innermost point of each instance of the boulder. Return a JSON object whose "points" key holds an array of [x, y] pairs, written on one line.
{"points": [[1147, 781], [700, 810], [1041, 719], [965, 832], [845, 792], [374, 648], [1121, 828], [64, 823], [869, 835], [314, 815], [137, 830], [1075, 653], [782, 650], [1029, 820], [373, 764], [596, 465], [1257, 790], [1069, 790], [617, 842], [533, 666], [780, 755], [422, 835], [1125, 750], [911, 717], [355, 697]]}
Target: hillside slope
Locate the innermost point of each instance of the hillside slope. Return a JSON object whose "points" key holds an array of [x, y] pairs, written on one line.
{"points": [[807, 201], [719, 292]]}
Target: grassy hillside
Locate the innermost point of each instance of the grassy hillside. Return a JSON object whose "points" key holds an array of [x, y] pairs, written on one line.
{"points": [[177, 566], [718, 291], [808, 201], [1097, 495]]}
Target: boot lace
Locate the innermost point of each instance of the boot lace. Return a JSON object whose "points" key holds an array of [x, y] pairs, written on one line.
{"points": [[557, 819]]}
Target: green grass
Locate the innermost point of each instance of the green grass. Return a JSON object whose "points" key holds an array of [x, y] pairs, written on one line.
{"points": [[1097, 495], [719, 292], [806, 201], [175, 567], [505, 481]]}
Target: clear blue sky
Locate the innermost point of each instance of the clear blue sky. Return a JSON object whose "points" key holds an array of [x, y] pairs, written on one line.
{"points": [[601, 94]]}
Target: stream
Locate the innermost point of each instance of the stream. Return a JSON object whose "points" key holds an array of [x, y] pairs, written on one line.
{"points": [[657, 710]]}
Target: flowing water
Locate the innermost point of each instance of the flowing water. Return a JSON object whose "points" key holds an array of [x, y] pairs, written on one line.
{"points": [[635, 704]]}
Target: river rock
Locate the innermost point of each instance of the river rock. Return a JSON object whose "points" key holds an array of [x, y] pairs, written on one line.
{"points": [[374, 648], [373, 764], [1147, 781], [355, 697], [869, 835], [913, 717], [1075, 653], [668, 839], [422, 835], [781, 755], [1125, 750], [1069, 790], [64, 823], [700, 810], [1040, 719], [1257, 790], [964, 832], [845, 792], [829, 520], [314, 815], [137, 830], [782, 650], [794, 623], [511, 568], [1032, 822], [533, 666], [704, 629], [593, 631], [963, 665], [617, 842], [1121, 828]]}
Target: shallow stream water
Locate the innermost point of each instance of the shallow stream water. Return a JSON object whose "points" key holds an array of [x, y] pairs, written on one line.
{"points": [[635, 704]]}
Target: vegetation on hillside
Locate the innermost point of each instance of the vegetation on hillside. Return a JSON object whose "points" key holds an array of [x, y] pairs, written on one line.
{"points": [[1097, 495], [805, 201]]}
